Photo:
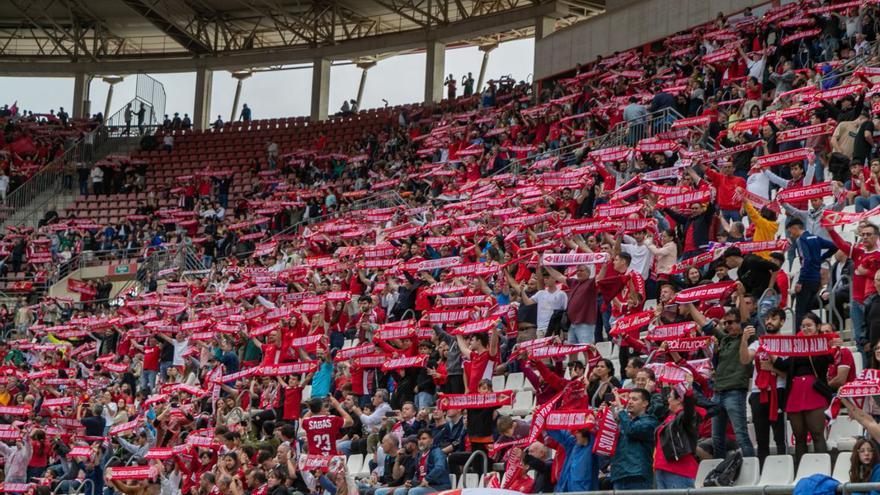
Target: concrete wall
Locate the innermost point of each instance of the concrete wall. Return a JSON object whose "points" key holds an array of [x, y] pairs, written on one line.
{"points": [[626, 24]]}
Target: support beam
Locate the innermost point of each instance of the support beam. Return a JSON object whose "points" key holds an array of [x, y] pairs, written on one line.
{"points": [[435, 65], [544, 26], [112, 81], [202, 105], [486, 49], [320, 89], [366, 66], [80, 107]]}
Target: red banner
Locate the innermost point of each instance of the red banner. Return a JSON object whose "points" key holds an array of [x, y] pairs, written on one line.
{"points": [[632, 323], [673, 331], [405, 362], [803, 193], [859, 388], [709, 292], [570, 420], [796, 345], [474, 327], [809, 131], [606, 437], [574, 259], [475, 401], [299, 368], [784, 157], [801, 35], [119, 473], [701, 196], [691, 344]]}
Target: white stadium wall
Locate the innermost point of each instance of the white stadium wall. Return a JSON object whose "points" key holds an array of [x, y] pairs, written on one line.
{"points": [[627, 24]]}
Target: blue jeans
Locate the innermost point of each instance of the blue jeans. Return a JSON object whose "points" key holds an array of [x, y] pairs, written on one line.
{"points": [[632, 484], [582, 333], [857, 313], [731, 215], [670, 481], [148, 379], [424, 400], [344, 447], [733, 407], [869, 203]]}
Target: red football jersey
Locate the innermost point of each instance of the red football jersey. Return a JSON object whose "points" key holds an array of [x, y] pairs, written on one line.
{"points": [[322, 433]]}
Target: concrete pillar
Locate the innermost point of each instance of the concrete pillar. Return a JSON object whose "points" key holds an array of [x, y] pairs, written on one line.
{"points": [[202, 106], [485, 49], [544, 26], [435, 66], [80, 107], [365, 66], [240, 76], [112, 81], [320, 89]]}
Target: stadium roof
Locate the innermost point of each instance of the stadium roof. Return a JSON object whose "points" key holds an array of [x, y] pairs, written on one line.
{"points": [[96, 32]]}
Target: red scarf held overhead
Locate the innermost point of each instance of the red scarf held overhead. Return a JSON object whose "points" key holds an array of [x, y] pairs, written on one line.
{"points": [[765, 381]]}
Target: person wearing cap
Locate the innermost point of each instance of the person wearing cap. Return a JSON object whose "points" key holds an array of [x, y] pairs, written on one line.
{"points": [[812, 250], [402, 463]]}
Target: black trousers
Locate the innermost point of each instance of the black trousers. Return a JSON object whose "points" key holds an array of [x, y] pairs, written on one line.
{"points": [[763, 425], [805, 300]]}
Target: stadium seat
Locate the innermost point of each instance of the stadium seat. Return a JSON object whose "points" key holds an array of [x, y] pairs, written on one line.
{"points": [[605, 349], [841, 467], [498, 382], [470, 480], [750, 472], [813, 464], [843, 433], [354, 464], [514, 382], [706, 467], [523, 403], [778, 470]]}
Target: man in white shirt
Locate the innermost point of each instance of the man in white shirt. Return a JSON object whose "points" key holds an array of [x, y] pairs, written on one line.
{"points": [[97, 176], [635, 245], [548, 298]]}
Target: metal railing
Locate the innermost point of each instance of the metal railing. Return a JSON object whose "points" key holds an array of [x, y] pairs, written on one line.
{"points": [[152, 92], [117, 126], [623, 133], [475, 455], [51, 177], [849, 66]]}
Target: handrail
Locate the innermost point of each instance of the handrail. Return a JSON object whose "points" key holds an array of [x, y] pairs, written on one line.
{"points": [[850, 64], [464, 470], [116, 124], [49, 177]]}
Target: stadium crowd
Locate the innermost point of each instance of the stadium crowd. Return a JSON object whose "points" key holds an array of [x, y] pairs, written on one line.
{"points": [[324, 325]]}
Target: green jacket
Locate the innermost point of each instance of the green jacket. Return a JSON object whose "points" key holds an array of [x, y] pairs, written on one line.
{"points": [[730, 374], [634, 456]]}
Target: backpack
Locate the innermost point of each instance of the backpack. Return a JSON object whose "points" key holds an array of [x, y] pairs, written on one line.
{"points": [[817, 484], [726, 473]]}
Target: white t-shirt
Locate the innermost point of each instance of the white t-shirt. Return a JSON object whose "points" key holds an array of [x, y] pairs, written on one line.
{"points": [[756, 68], [180, 348], [780, 382], [642, 259], [548, 302]]}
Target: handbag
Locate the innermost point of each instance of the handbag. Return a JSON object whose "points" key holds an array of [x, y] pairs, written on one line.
{"points": [[820, 385]]}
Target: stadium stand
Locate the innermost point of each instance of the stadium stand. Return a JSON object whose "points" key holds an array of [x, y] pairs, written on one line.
{"points": [[662, 259]]}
